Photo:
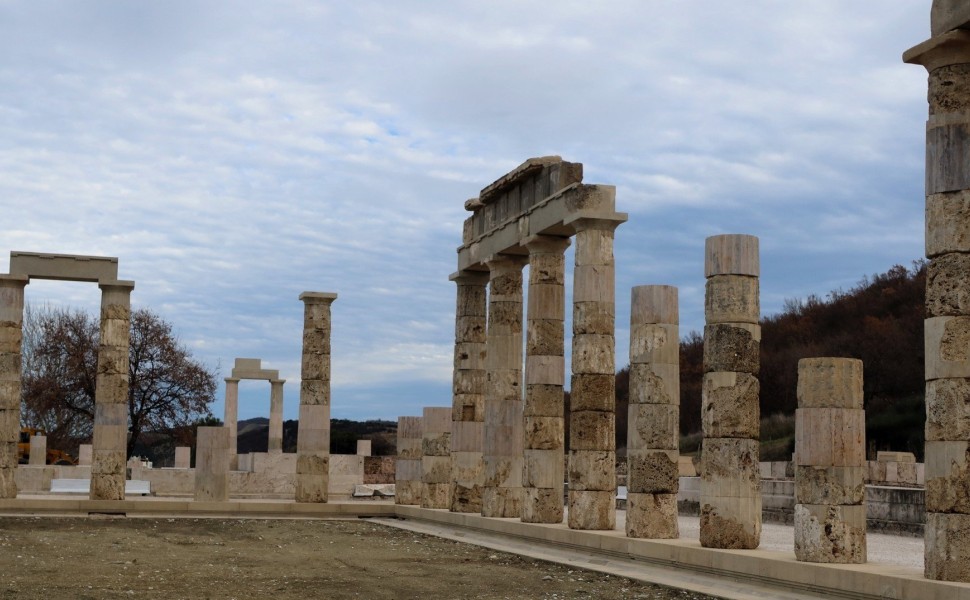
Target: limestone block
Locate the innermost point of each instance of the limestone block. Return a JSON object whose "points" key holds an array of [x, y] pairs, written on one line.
{"points": [[436, 469], [592, 510], [467, 466], [314, 416], [948, 477], [503, 385], [110, 462], [471, 301], [505, 281], [470, 356], [732, 347], [946, 290], [548, 370], [729, 405], [877, 471], [947, 547], [183, 457], [593, 354], [10, 395], [10, 366], [947, 409], [543, 400], [409, 448], [543, 469], [466, 498], [653, 426], [653, 471], [592, 430], [315, 391], [503, 471], [409, 470], [315, 366], [38, 449], [592, 470], [652, 516], [313, 488], [10, 425], [593, 391], [8, 455], [830, 485], [114, 330], [111, 414], [547, 302], [947, 347], [545, 337], [106, 486], [410, 428], [655, 343], [467, 436], [505, 318], [111, 389], [468, 408], [729, 467], [732, 299], [731, 254], [115, 311], [312, 440], [436, 495], [548, 265], [899, 457], [10, 339], [85, 455], [436, 420], [112, 360], [595, 247], [542, 505], [830, 533], [654, 304], [544, 433], [731, 522], [654, 384], [594, 283], [830, 437], [829, 383], [593, 318], [908, 473], [470, 329], [947, 223], [313, 464], [8, 484], [502, 502], [436, 444]]}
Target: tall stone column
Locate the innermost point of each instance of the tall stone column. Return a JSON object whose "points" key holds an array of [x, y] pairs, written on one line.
{"points": [[592, 413], [946, 57], [275, 442], [212, 464], [231, 420], [468, 393], [545, 368], [502, 492], [313, 435], [730, 479], [111, 394], [830, 455], [436, 458], [11, 335], [654, 414], [407, 469]]}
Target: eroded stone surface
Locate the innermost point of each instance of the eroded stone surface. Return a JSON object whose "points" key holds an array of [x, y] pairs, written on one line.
{"points": [[653, 426], [947, 409], [729, 405], [947, 547], [592, 430], [501, 502], [948, 222], [542, 505], [946, 291], [654, 384], [592, 510], [592, 470], [732, 299], [829, 383], [830, 485], [729, 468], [652, 516], [652, 471], [731, 348], [731, 523], [830, 533], [436, 495]]}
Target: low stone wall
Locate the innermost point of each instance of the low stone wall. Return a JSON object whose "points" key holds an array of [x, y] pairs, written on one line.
{"points": [[379, 469]]}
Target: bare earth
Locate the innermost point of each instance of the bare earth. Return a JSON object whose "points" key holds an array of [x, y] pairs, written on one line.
{"points": [[230, 558]]}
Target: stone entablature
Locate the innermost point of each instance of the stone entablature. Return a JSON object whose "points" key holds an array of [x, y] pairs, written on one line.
{"points": [[64, 267]]}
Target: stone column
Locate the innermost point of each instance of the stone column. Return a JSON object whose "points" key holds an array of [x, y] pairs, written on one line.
{"points": [[730, 479], [830, 455], [275, 442], [38, 450], [468, 393], [232, 420], [111, 395], [11, 334], [407, 469], [212, 464], [502, 492], [183, 456], [436, 458], [592, 412], [545, 367], [654, 414], [313, 436], [946, 56]]}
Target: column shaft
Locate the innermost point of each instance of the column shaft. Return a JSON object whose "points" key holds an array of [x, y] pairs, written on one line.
{"points": [[111, 395], [231, 420], [502, 493], [313, 438], [592, 412], [407, 470], [468, 393], [11, 336], [436, 480], [544, 427], [275, 441]]}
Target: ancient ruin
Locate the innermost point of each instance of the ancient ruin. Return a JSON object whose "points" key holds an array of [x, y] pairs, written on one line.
{"points": [[436, 482], [252, 369], [313, 440], [408, 470]]}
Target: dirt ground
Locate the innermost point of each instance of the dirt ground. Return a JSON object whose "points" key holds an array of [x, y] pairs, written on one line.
{"points": [[53, 558]]}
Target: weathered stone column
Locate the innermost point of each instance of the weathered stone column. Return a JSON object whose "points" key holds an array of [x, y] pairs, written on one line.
{"points": [[436, 458], [275, 442], [313, 435], [592, 413], [830, 455], [231, 420], [111, 394], [946, 56], [502, 492], [545, 368], [730, 479], [212, 464], [468, 393], [408, 468], [11, 335], [38, 450], [654, 414]]}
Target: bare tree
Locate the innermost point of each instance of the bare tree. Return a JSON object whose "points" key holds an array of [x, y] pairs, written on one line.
{"points": [[168, 389]]}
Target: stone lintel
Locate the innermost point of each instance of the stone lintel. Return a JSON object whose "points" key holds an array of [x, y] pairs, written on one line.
{"points": [[951, 48], [64, 267], [947, 15], [251, 368], [317, 298]]}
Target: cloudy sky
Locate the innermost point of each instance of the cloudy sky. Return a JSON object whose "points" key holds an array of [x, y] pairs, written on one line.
{"points": [[235, 154]]}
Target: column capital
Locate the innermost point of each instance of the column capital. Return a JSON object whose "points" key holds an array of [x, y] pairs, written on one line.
{"points": [[318, 297], [13, 281], [608, 222], [119, 285], [951, 48], [277, 381], [469, 277], [546, 244], [498, 263], [232, 380]]}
